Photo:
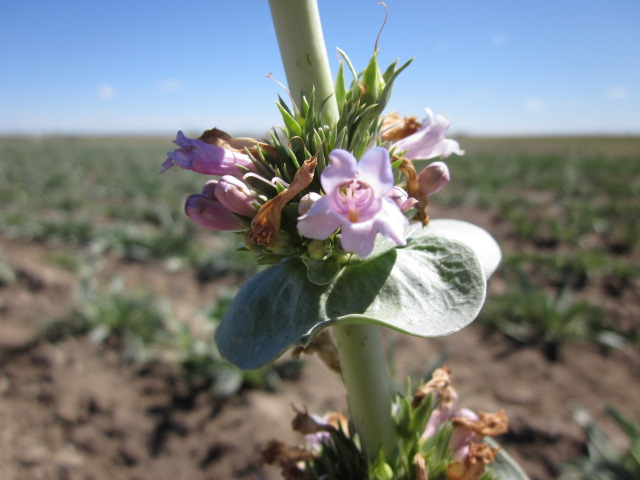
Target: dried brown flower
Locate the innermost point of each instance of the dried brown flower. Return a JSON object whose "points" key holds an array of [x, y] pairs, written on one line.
{"points": [[277, 453], [413, 189], [222, 139], [472, 466], [326, 349], [395, 128], [308, 424], [489, 424], [266, 224], [440, 385]]}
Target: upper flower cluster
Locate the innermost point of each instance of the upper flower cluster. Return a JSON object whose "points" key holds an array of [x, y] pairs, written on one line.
{"points": [[340, 185]]}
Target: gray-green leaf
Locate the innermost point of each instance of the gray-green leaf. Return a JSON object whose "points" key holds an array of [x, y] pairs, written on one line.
{"points": [[433, 287], [504, 465]]}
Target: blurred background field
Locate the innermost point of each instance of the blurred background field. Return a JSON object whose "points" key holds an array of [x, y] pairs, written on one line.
{"points": [[567, 209], [96, 250]]}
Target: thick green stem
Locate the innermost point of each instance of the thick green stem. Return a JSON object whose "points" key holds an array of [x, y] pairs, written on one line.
{"points": [[365, 375], [299, 32]]}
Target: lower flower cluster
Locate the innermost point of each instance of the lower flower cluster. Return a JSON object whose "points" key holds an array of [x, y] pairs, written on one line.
{"points": [[437, 441]]}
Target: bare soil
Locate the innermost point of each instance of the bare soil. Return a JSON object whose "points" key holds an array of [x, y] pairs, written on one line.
{"points": [[70, 409]]}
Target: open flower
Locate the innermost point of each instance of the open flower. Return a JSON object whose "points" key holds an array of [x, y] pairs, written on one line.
{"points": [[426, 140], [202, 157], [355, 201]]}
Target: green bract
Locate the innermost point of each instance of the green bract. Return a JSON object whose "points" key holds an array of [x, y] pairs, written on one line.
{"points": [[432, 287]]}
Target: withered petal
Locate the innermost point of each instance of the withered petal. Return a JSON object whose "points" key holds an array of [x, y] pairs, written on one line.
{"points": [[472, 467], [266, 224], [489, 424]]}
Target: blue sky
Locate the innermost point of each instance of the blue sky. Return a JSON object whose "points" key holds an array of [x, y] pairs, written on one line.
{"points": [[492, 67]]}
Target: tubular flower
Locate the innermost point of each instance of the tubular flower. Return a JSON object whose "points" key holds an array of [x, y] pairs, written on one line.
{"points": [[202, 157], [469, 428], [235, 195], [355, 201], [206, 211], [462, 437], [426, 140]]}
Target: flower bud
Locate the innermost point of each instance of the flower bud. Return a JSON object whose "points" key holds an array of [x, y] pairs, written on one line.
{"points": [[211, 214], [306, 202], [282, 244], [209, 189], [401, 198], [317, 249], [373, 84], [235, 195], [433, 178]]}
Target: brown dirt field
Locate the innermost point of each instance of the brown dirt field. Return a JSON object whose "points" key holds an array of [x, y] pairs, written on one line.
{"points": [[72, 410]]}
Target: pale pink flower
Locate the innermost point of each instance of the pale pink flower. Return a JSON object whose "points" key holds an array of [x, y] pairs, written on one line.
{"points": [[461, 438], [202, 157], [443, 411], [355, 202], [428, 141]]}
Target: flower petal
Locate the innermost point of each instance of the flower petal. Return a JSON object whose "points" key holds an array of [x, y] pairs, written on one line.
{"points": [[375, 169], [342, 167], [429, 141], [320, 221], [391, 223], [359, 238]]}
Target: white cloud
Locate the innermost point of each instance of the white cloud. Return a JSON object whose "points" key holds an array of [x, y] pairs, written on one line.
{"points": [[498, 39], [169, 85], [533, 104], [618, 93], [106, 92]]}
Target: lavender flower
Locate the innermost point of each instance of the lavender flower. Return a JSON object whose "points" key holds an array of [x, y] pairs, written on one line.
{"points": [[206, 210], [355, 201], [202, 157], [235, 195], [428, 140]]}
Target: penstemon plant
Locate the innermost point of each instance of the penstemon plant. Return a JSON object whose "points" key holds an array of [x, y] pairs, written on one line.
{"points": [[335, 205]]}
